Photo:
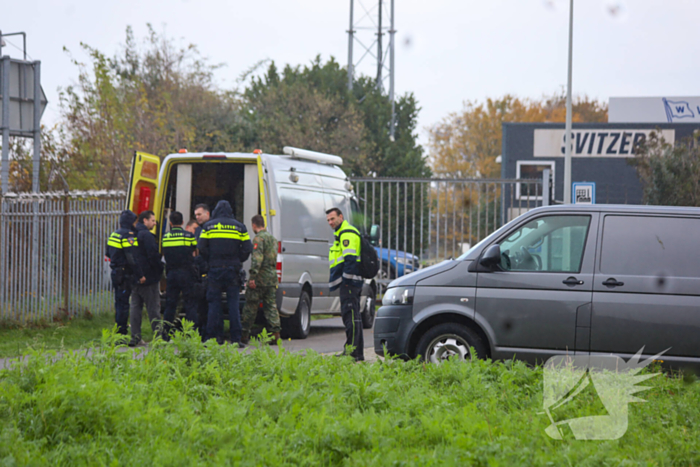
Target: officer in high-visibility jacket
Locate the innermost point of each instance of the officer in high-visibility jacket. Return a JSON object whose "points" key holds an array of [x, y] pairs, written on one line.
{"points": [[225, 245], [179, 247], [126, 272], [344, 258]]}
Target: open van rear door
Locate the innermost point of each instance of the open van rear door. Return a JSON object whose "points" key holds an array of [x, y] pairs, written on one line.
{"points": [[143, 184]]}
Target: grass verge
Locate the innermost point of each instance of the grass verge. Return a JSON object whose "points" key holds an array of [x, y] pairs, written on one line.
{"points": [[68, 335], [191, 404]]}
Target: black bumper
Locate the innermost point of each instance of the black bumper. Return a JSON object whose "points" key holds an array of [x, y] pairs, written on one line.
{"points": [[392, 329]]}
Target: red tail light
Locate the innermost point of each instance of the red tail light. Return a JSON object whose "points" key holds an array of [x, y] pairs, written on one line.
{"points": [[279, 261]]}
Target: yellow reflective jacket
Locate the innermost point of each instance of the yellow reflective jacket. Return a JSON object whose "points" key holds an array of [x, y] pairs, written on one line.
{"points": [[344, 257]]}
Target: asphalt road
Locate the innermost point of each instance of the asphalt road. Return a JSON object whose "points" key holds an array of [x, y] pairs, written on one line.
{"points": [[327, 336]]}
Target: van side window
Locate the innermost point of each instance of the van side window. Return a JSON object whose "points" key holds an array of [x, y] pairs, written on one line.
{"points": [[308, 210], [651, 246], [549, 244]]}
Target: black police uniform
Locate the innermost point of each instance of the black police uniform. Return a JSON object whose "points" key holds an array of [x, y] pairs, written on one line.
{"points": [[178, 246], [225, 245], [200, 290], [121, 247]]}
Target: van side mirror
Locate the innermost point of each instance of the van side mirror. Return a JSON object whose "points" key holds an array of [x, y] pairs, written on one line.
{"points": [[491, 257], [374, 235]]}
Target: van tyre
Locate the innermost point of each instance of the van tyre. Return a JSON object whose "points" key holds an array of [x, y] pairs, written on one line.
{"points": [[386, 273], [369, 311], [298, 325], [449, 340]]}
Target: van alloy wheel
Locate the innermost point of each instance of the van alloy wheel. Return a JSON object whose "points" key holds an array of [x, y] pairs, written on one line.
{"points": [[445, 347], [450, 340]]}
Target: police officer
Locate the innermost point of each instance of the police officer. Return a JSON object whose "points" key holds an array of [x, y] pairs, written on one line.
{"points": [[179, 247], [202, 216], [344, 258], [148, 292], [125, 270], [262, 285], [225, 245]]}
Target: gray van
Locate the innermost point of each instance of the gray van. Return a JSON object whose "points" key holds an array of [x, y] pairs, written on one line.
{"points": [[291, 191], [596, 279]]}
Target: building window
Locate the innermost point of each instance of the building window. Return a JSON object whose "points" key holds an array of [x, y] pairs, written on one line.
{"points": [[531, 170]]}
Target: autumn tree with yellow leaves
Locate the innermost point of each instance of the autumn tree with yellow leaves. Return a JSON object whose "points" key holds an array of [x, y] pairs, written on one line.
{"points": [[466, 144]]}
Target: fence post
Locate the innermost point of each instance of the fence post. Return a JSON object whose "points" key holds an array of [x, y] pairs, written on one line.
{"points": [[66, 251], [546, 191]]}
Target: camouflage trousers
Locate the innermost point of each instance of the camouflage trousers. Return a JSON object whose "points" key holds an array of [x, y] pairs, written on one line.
{"points": [[268, 297]]}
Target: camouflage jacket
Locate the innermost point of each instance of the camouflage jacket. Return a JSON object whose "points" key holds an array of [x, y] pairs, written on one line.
{"points": [[263, 268]]}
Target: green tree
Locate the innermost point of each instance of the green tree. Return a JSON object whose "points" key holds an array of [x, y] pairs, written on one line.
{"points": [[670, 174], [156, 98], [312, 106], [51, 158]]}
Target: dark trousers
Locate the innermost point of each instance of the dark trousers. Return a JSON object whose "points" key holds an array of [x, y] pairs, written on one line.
{"points": [[203, 311], [122, 292], [180, 281], [223, 280], [350, 313]]}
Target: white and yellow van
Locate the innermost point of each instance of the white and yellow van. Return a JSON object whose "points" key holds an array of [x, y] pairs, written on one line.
{"points": [[291, 191]]}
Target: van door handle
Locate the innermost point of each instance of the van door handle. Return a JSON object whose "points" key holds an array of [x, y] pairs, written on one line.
{"points": [[612, 282], [572, 281]]}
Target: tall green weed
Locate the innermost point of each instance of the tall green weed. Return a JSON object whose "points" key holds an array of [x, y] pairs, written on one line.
{"points": [[187, 403]]}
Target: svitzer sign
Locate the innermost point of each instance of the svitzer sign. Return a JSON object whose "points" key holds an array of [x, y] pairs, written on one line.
{"points": [[594, 142]]}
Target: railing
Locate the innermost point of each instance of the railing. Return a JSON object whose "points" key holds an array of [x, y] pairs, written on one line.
{"points": [[52, 245], [52, 248]]}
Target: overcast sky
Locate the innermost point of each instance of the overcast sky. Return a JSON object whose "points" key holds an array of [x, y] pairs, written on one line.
{"points": [[447, 51]]}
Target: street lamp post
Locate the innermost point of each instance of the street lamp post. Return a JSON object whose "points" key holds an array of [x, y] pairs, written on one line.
{"points": [[567, 137]]}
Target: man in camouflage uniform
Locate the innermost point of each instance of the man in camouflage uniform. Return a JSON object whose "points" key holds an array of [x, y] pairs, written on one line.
{"points": [[262, 285]]}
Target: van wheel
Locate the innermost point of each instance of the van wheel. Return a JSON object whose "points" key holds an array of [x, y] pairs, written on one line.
{"points": [[369, 311], [298, 325], [449, 340]]}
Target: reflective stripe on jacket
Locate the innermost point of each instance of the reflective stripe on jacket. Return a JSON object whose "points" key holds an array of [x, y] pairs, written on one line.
{"points": [[121, 246], [344, 257], [224, 241], [178, 246]]}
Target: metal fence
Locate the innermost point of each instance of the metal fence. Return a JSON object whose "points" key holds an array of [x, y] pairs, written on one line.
{"points": [[436, 219], [52, 247]]}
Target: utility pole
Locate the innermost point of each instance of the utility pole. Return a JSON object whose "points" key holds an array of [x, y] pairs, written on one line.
{"points": [[567, 137], [379, 48], [392, 32], [351, 36]]}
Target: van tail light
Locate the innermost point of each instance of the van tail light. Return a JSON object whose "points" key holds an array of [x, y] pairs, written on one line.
{"points": [[279, 262], [144, 199]]}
